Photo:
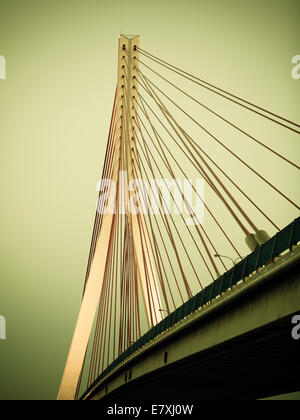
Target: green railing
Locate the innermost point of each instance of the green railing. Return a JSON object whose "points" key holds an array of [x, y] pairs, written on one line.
{"points": [[262, 255]]}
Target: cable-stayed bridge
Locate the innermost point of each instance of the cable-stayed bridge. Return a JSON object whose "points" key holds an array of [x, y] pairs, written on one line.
{"points": [[193, 274]]}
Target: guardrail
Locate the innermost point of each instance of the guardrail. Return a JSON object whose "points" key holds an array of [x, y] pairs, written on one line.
{"points": [[262, 255]]}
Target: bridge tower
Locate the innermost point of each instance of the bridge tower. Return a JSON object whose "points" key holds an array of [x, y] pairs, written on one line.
{"points": [[125, 155]]}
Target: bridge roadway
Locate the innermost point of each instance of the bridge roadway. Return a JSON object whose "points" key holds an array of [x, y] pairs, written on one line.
{"points": [[238, 346]]}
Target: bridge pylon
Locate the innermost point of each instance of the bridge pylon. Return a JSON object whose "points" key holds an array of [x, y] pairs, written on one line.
{"points": [[124, 161]]}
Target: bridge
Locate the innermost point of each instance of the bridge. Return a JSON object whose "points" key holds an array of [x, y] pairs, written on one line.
{"points": [[161, 312]]}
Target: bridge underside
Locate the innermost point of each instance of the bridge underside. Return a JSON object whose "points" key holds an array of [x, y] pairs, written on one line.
{"points": [[245, 351], [259, 364]]}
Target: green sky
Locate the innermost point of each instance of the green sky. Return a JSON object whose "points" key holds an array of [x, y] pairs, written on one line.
{"points": [[55, 107]]}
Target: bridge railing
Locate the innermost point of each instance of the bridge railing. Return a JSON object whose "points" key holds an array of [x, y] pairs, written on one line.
{"points": [[262, 255]]}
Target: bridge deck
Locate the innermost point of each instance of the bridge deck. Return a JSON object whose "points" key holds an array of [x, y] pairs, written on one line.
{"points": [[231, 288]]}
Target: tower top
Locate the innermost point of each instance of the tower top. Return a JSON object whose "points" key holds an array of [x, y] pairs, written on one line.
{"points": [[128, 36]]}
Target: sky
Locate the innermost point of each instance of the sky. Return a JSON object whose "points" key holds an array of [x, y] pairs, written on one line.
{"points": [[55, 108]]}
